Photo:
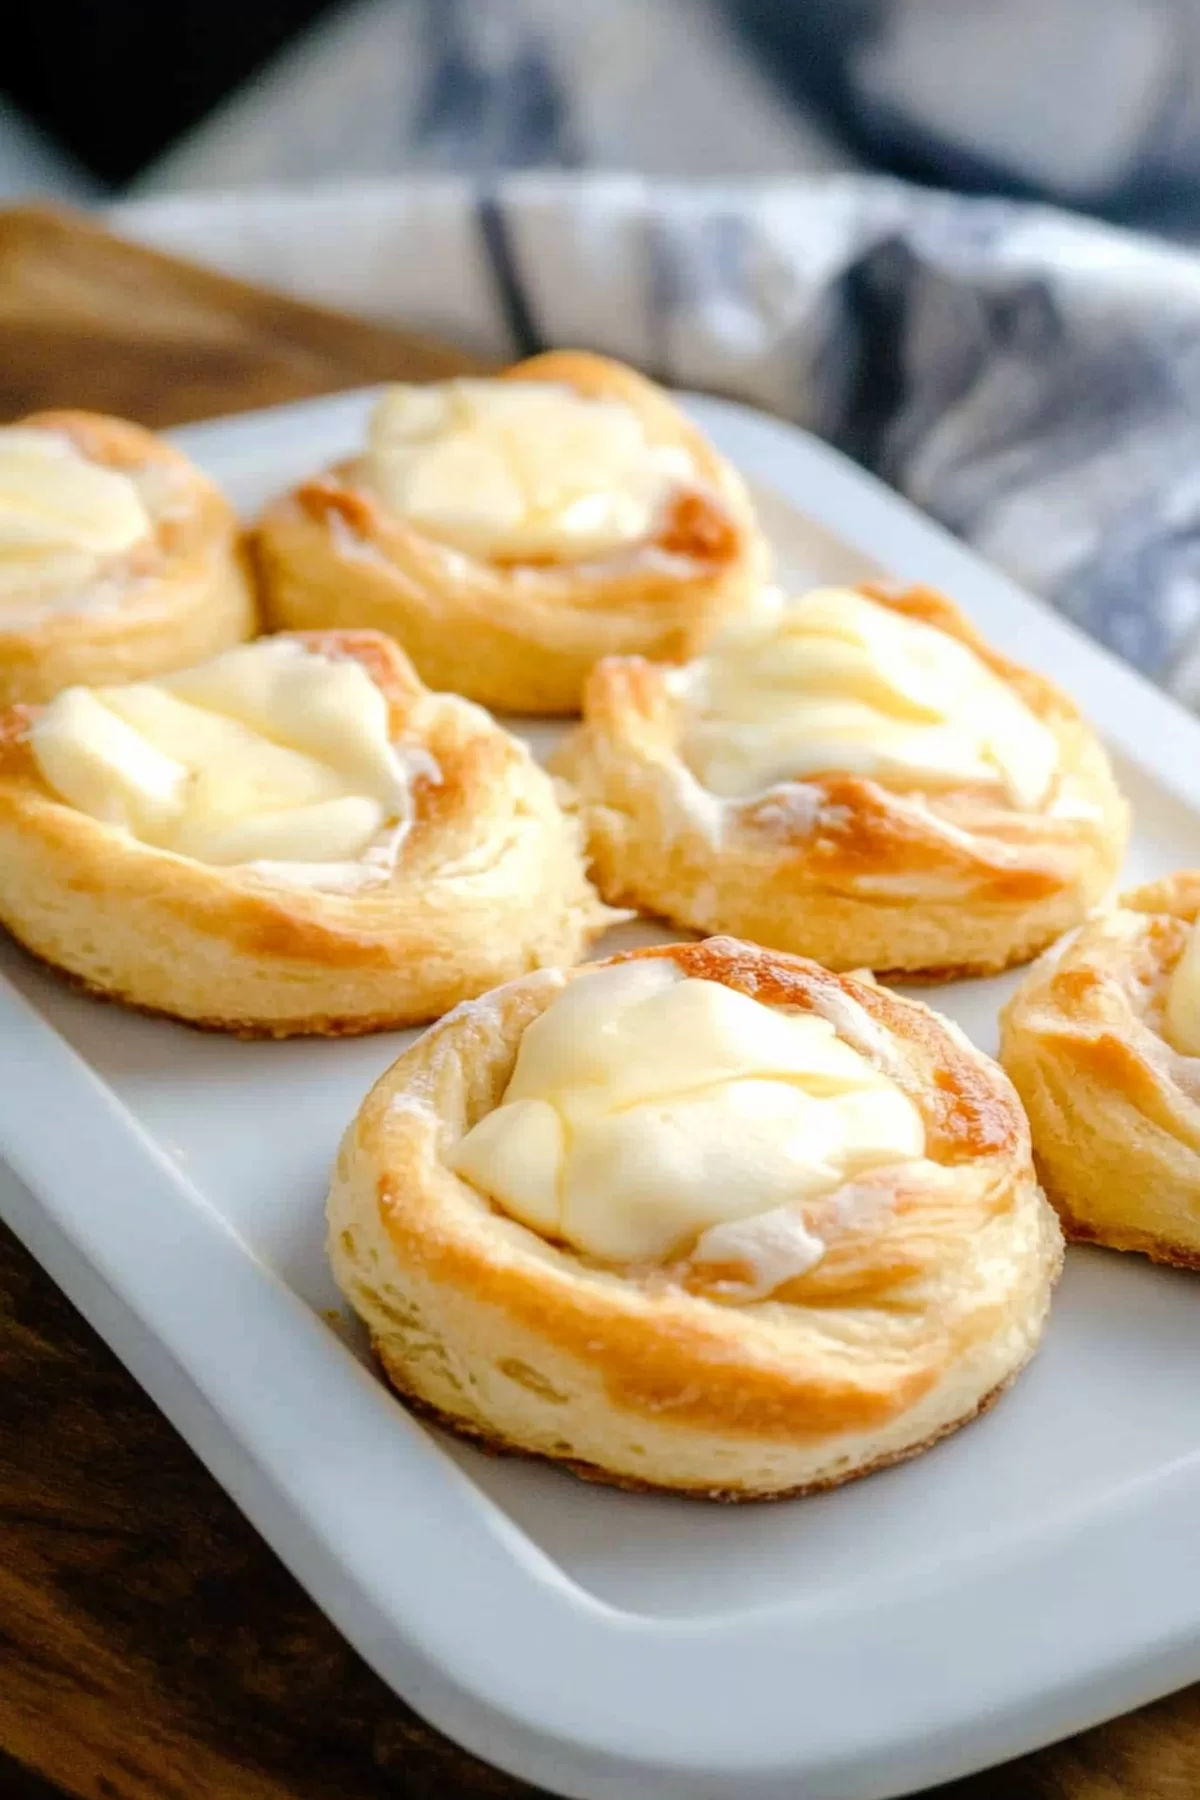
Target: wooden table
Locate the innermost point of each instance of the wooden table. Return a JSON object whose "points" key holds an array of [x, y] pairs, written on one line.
{"points": [[151, 1646]]}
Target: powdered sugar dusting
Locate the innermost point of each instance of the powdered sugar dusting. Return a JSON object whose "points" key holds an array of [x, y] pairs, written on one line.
{"points": [[490, 1005], [703, 811], [1068, 805], [347, 542], [792, 807], [107, 593], [414, 1102], [780, 1245], [774, 1247], [416, 1098], [855, 1026]]}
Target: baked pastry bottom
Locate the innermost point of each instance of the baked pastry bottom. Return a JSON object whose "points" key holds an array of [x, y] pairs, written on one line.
{"points": [[494, 1445], [1142, 1243], [249, 1030]]}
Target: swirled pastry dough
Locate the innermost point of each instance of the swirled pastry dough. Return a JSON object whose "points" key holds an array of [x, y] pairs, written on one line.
{"points": [[705, 1218], [118, 558], [508, 532], [853, 775], [295, 837], [1102, 1041]]}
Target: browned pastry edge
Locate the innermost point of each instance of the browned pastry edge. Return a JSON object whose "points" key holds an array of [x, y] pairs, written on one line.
{"points": [[936, 976], [942, 973], [247, 1030], [492, 1445], [1143, 1243]]}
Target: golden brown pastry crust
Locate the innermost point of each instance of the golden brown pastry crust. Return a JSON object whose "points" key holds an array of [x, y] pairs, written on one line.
{"points": [[1114, 1110], [839, 867], [650, 1377], [489, 884], [186, 593], [485, 1440], [520, 637]]}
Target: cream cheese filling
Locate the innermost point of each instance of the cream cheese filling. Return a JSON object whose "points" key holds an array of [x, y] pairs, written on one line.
{"points": [[64, 519], [835, 683], [1181, 1017], [647, 1109], [269, 756], [519, 470]]}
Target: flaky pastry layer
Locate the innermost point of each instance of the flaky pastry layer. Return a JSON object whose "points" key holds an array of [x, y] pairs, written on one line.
{"points": [[839, 867], [177, 599], [652, 1377], [1113, 1109], [489, 884], [520, 637]]}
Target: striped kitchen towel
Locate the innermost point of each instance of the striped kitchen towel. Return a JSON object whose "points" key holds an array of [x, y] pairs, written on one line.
{"points": [[1029, 378]]}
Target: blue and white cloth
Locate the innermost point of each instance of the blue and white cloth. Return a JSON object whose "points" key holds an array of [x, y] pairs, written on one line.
{"points": [[1030, 379]]}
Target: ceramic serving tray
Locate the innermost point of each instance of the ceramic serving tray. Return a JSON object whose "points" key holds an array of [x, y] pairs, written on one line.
{"points": [[1030, 1576]]}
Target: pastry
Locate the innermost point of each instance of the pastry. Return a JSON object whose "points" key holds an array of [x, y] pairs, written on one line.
{"points": [[1102, 1041], [707, 1219], [853, 775], [294, 837], [508, 532], [118, 558]]}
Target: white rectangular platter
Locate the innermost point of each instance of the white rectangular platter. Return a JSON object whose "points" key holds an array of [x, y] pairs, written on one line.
{"points": [[1032, 1575]]}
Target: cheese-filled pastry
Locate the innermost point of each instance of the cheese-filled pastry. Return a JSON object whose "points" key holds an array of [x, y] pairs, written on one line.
{"points": [[706, 1219], [509, 531], [294, 837], [118, 558], [855, 776], [1102, 1041]]}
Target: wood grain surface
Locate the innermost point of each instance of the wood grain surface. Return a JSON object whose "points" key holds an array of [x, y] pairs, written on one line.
{"points": [[86, 320], [151, 1646]]}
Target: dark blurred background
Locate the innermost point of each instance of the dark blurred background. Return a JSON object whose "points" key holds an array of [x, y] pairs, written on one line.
{"points": [[1091, 103], [115, 83]]}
